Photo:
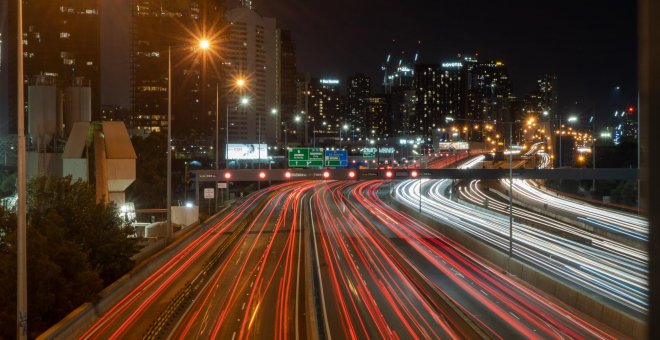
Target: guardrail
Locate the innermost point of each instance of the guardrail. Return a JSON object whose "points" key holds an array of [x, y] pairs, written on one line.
{"points": [[254, 175]]}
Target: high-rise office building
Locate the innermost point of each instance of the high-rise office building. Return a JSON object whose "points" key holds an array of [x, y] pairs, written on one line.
{"points": [[359, 90], [402, 104], [288, 78], [251, 48], [546, 88], [157, 26], [377, 119], [62, 41], [489, 91], [453, 90], [325, 107], [297, 124], [399, 71], [473, 93], [428, 89]]}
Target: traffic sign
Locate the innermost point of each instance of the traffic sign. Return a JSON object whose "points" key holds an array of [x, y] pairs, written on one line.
{"points": [[369, 153], [306, 157], [336, 158], [209, 193]]}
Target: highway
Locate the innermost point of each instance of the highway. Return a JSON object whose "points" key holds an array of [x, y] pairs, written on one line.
{"points": [[131, 317], [614, 272], [500, 306], [619, 222], [328, 259]]}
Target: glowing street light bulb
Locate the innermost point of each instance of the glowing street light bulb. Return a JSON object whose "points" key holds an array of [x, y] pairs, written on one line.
{"points": [[204, 44], [240, 82], [245, 101]]}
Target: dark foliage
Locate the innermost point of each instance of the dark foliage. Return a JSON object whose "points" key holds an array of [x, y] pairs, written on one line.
{"points": [[75, 247]]}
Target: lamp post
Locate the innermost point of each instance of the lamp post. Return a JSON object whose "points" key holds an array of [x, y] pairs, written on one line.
{"points": [[510, 190], [203, 44], [21, 228], [244, 101], [593, 150], [238, 84], [168, 232], [345, 128], [286, 144], [298, 119]]}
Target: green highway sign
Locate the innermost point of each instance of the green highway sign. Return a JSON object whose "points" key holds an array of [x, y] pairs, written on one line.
{"points": [[306, 157], [369, 153]]}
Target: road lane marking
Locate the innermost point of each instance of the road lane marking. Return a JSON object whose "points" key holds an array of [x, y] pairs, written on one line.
{"points": [[318, 268]]}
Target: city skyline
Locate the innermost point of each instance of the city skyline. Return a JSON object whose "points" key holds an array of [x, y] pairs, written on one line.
{"points": [[575, 41]]}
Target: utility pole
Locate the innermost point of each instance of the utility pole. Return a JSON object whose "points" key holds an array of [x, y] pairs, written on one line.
{"points": [[510, 190], [21, 242], [168, 232], [217, 138], [259, 148], [306, 108]]}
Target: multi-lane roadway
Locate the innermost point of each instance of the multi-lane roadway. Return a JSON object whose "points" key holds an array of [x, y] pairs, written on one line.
{"points": [[332, 260], [614, 272]]}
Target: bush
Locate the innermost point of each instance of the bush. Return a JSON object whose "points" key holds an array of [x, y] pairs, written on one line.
{"points": [[75, 246]]}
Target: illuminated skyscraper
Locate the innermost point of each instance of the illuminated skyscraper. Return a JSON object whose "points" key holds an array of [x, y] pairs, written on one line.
{"points": [[377, 118], [288, 77], [489, 91], [428, 89], [156, 26], [251, 49], [359, 90], [453, 90], [325, 107]]}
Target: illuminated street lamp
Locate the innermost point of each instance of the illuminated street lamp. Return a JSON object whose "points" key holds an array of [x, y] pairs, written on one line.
{"points": [[238, 84], [345, 128], [203, 44]]}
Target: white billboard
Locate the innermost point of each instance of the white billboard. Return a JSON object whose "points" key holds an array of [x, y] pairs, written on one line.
{"points": [[450, 146], [247, 151]]}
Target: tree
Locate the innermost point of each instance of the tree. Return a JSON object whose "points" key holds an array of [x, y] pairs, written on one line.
{"points": [[149, 188], [75, 246], [96, 228], [7, 184]]}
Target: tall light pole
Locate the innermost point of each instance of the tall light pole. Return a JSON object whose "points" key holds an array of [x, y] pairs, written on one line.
{"points": [[593, 151], [168, 232], [217, 138], [203, 44], [286, 145], [238, 84], [345, 128], [510, 190], [21, 232]]}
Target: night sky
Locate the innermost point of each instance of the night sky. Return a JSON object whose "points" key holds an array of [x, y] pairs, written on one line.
{"points": [[590, 45]]}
